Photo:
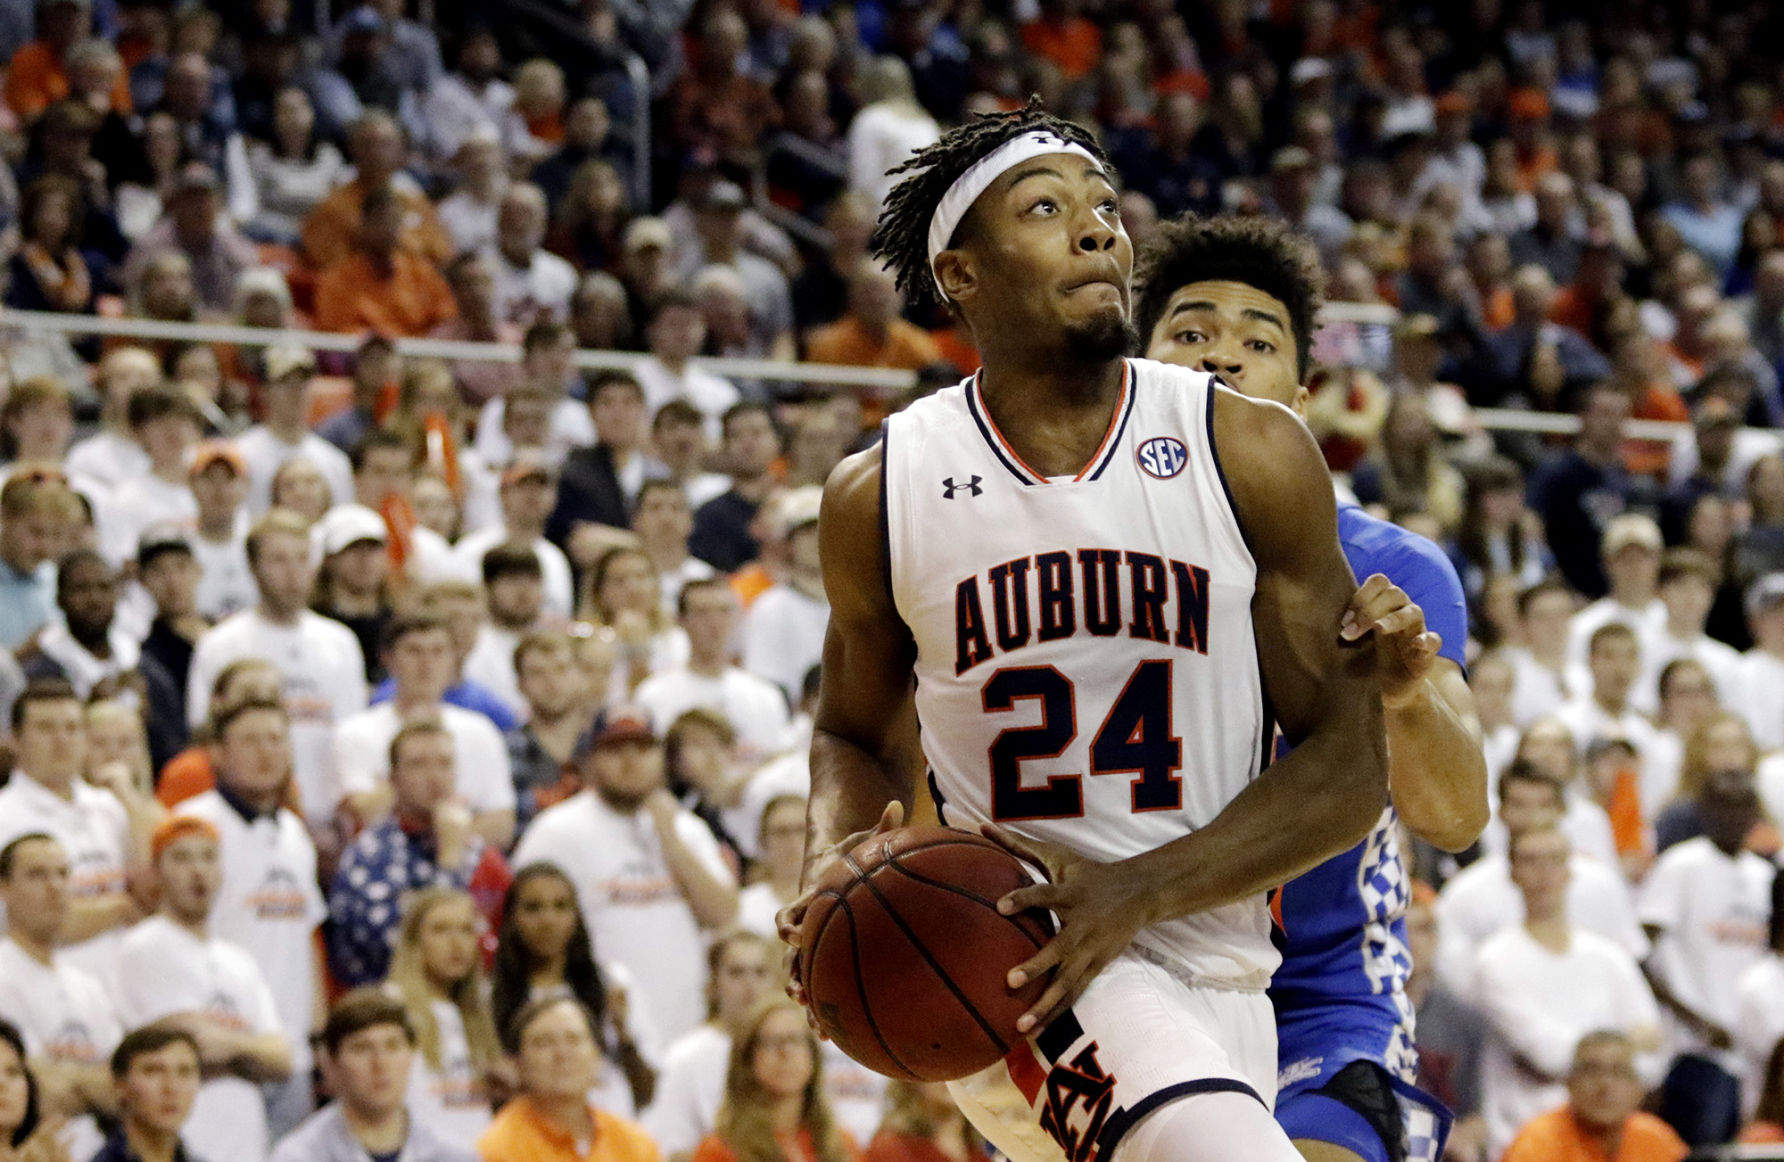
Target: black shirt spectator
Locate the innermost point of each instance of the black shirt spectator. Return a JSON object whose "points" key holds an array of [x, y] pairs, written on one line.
{"points": [[721, 534], [1579, 491]]}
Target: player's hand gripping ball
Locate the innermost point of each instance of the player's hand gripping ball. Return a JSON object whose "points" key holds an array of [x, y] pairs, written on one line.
{"points": [[904, 955]]}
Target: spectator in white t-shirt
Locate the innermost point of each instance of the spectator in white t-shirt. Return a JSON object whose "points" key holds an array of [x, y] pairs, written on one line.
{"points": [[1630, 551], [548, 363], [1481, 900], [621, 594], [1544, 984], [663, 520], [650, 875], [782, 838], [691, 1084], [111, 457], [514, 597], [756, 709], [219, 481], [1761, 673], [783, 636], [166, 427], [528, 494], [87, 648], [318, 659], [1543, 676], [172, 966], [285, 433], [104, 840], [268, 903], [674, 334], [419, 656], [532, 284], [1608, 710], [1706, 905], [1688, 581], [65, 1014]]}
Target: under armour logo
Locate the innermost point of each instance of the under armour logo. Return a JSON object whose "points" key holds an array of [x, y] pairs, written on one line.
{"points": [[971, 488]]}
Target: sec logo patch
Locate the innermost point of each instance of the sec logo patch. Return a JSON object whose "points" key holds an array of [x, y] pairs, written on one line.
{"points": [[1162, 457]]}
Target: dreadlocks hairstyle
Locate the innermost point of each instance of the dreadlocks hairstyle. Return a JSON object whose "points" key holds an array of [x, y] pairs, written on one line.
{"points": [[901, 238], [1259, 252]]}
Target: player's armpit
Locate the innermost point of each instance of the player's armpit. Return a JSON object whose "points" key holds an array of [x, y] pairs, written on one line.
{"points": [[1324, 796]]}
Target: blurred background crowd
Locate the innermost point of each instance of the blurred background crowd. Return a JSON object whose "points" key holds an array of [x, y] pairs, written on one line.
{"points": [[418, 726]]}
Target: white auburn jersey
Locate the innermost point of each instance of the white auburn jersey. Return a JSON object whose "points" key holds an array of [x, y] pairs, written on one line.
{"points": [[1086, 672]]}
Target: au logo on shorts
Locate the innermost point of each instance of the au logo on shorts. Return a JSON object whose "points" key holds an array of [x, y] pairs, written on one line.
{"points": [[1162, 457]]}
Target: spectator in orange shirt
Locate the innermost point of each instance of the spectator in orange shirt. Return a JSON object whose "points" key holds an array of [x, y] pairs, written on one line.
{"points": [[383, 287], [1529, 132], [38, 75], [1584, 303], [555, 1053], [871, 334], [1600, 1121], [1064, 37], [774, 1092], [377, 147]]}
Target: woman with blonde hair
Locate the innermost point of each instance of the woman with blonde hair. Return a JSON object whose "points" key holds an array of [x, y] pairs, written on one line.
{"points": [[437, 973], [774, 1108], [623, 593], [923, 1125]]}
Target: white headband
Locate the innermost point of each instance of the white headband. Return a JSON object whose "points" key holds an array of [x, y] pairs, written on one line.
{"points": [[978, 178]]}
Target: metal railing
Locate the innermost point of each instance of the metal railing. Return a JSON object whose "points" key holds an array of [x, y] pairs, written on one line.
{"points": [[868, 380]]}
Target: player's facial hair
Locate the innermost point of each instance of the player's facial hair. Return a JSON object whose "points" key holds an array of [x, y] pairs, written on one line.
{"points": [[1102, 338]]}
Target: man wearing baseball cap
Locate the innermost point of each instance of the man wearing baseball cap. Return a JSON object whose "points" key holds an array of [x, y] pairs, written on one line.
{"points": [[649, 874], [286, 434], [173, 966], [219, 479], [1630, 554]]}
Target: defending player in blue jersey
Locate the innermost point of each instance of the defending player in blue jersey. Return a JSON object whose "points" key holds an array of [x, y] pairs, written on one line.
{"points": [[1238, 297]]}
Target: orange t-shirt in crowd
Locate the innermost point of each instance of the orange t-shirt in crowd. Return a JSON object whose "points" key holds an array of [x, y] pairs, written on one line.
{"points": [[332, 229], [1762, 1133], [37, 79], [520, 1133], [411, 300], [905, 345], [1652, 457], [1556, 1137], [1074, 44], [1571, 310], [798, 1148]]}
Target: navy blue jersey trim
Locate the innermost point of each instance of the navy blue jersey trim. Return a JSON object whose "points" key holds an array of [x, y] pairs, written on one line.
{"points": [[1119, 1124], [972, 408], [1061, 1035], [1127, 411], [1214, 386], [885, 512]]}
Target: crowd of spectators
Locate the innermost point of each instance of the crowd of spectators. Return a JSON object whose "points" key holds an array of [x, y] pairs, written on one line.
{"points": [[408, 756]]}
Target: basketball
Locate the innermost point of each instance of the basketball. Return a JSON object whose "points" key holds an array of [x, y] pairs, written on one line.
{"points": [[905, 957]]}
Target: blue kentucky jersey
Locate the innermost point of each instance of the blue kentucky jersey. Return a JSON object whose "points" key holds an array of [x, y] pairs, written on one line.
{"points": [[1340, 993]]}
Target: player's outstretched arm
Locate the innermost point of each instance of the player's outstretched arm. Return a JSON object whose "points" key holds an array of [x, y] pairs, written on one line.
{"points": [[1435, 766], [865, 727]]}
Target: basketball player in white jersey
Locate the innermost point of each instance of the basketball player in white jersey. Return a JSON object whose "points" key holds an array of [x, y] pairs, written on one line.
{"points": [[1109, 578]]}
